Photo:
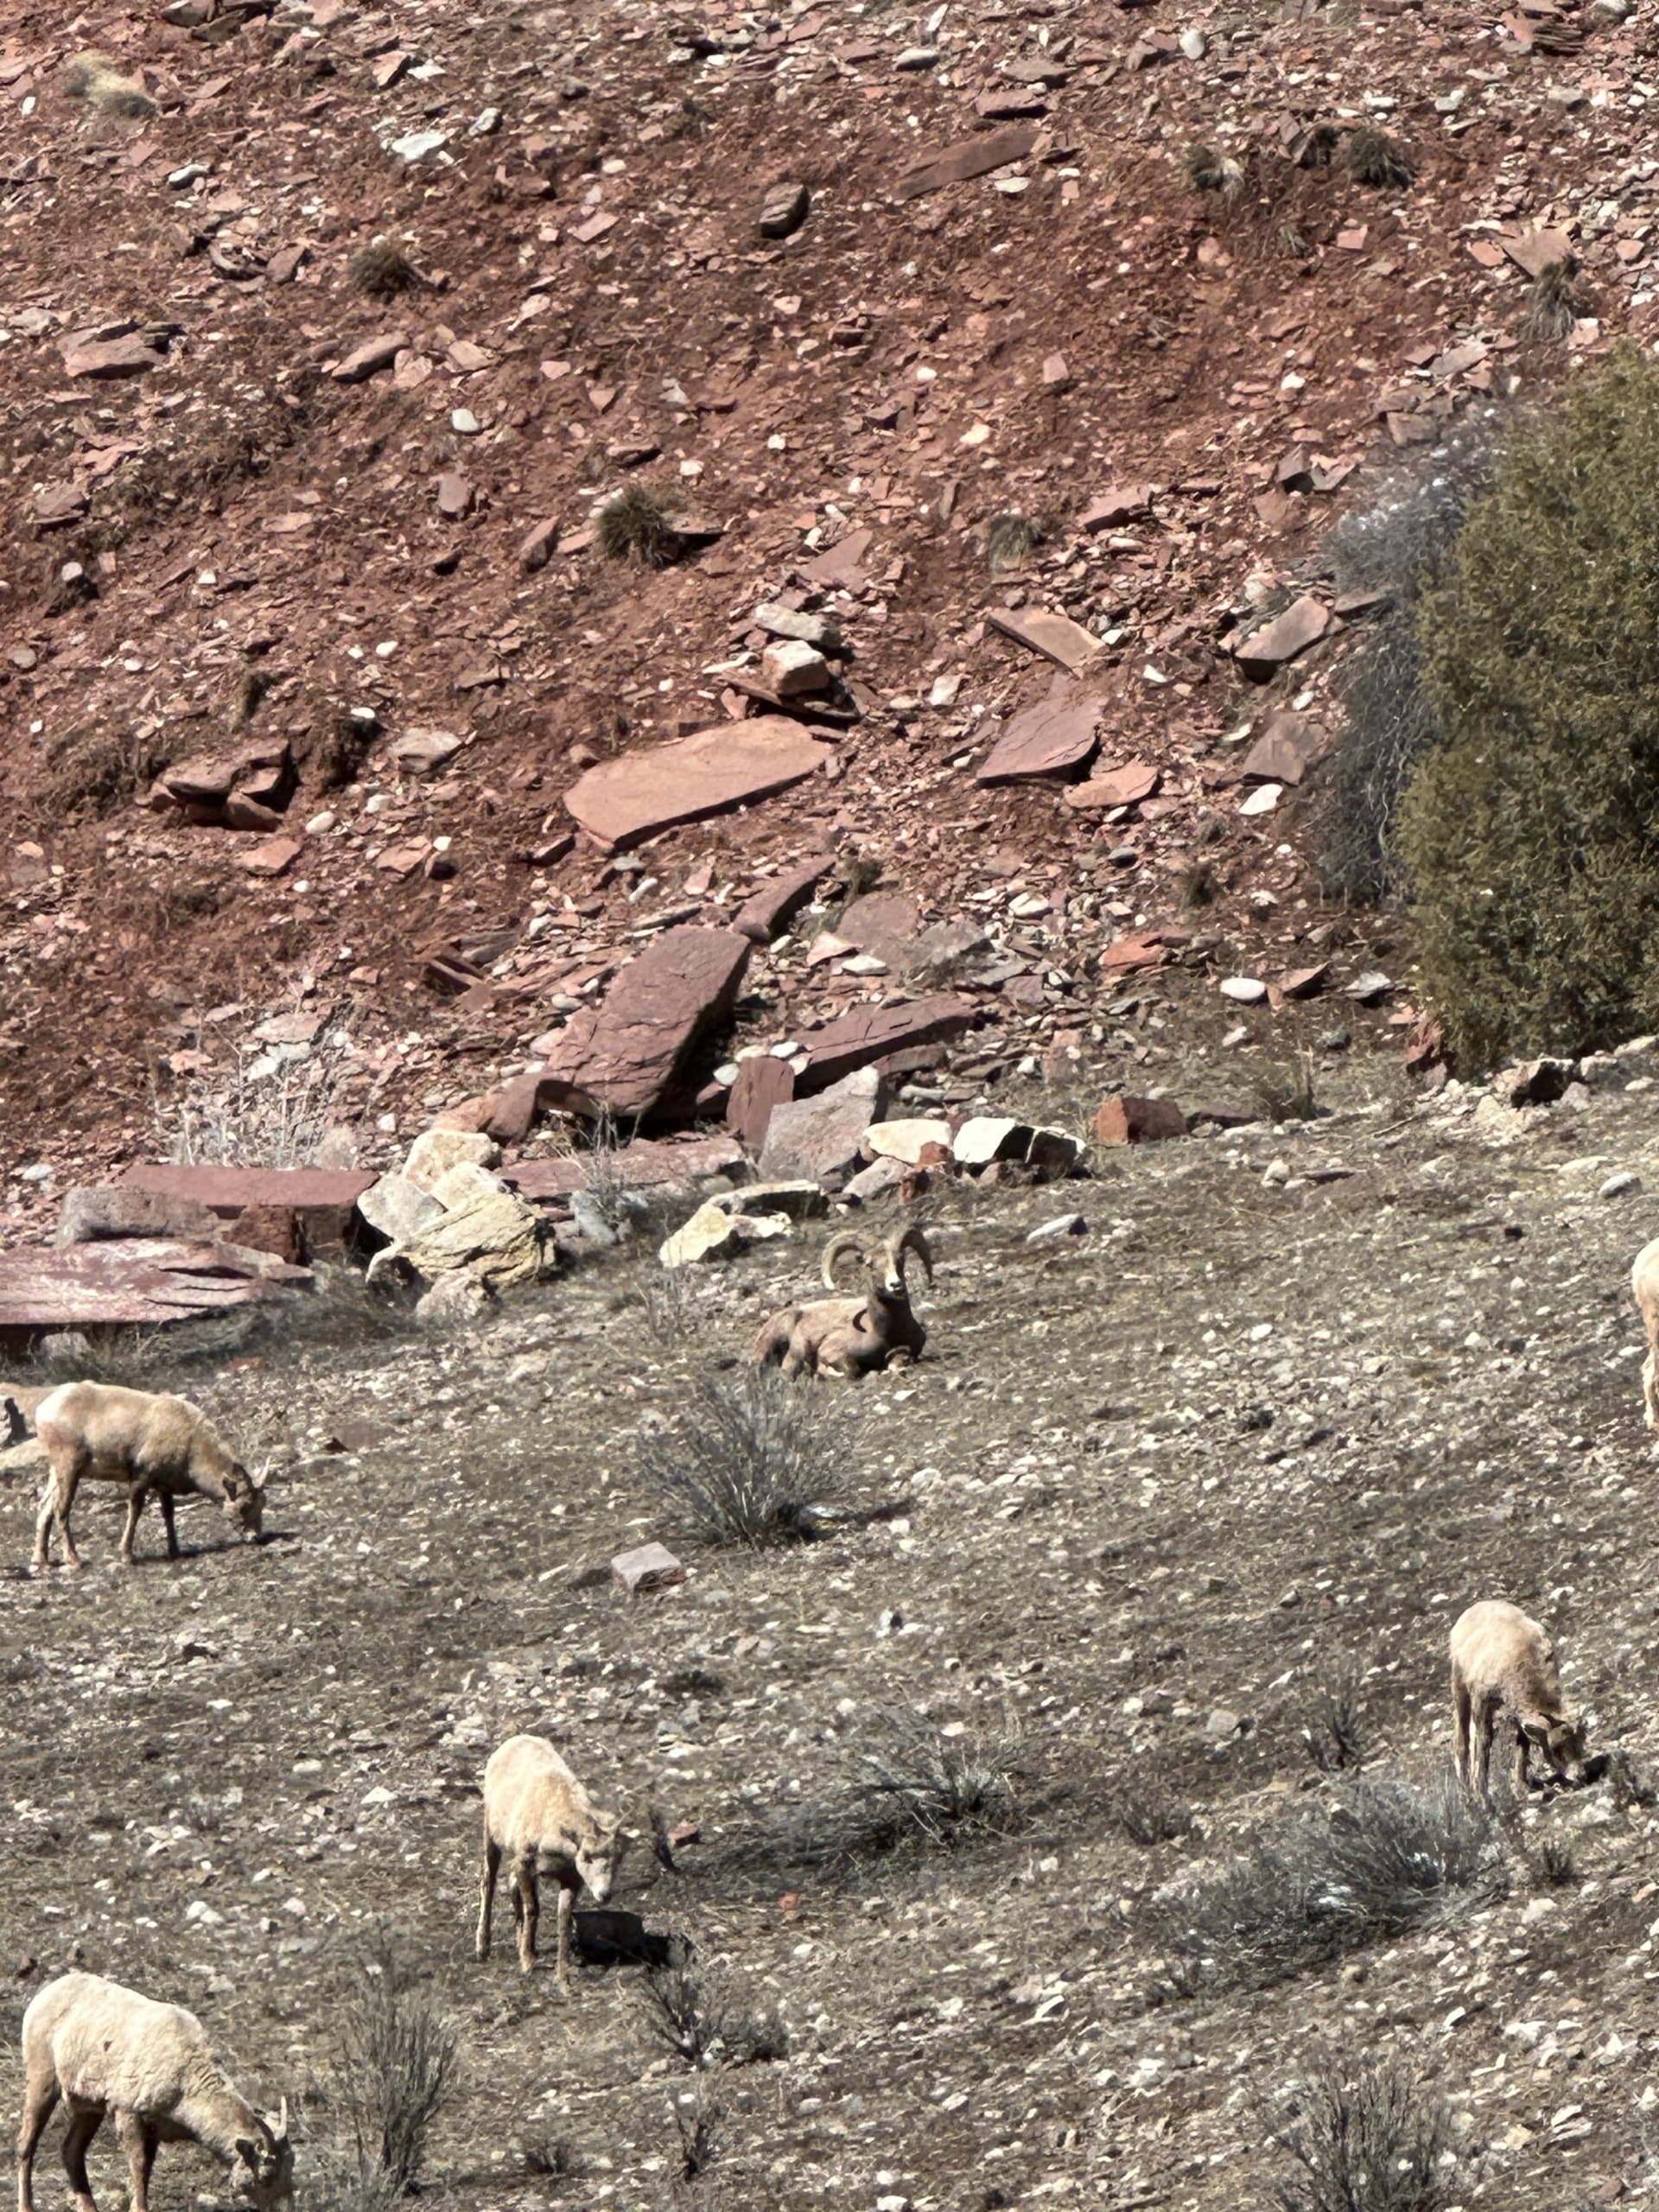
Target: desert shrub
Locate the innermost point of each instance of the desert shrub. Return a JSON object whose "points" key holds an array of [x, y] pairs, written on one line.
{"points": [[1199, 886], [1288, 1094], [696, 2113], [1362, 2135], [636, 524], [1148, 1808], [1010, 541], [398, 2056], [1555, 302], [1376, 159], [1209, 170], [942, 1786], [749, 1460], [102, 766], [1397, 544], [1528, 833], [1385, 1858], [278, 1119], [1554, 1863], [710, 2015], [381, 270], [1333, 1733], [341, 745]]}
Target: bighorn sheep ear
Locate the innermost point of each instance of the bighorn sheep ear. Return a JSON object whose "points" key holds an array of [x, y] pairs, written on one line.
{"points": [[844, 1242], [913, 1241]]}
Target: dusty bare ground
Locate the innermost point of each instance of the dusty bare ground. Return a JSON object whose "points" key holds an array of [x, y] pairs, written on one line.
{"points": [[1188, 1465]]}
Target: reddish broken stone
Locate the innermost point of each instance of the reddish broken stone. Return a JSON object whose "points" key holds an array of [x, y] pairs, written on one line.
{"points": [[1284, 748], [1265, 651], [648, 1567], [536, 549], [108, 358], [1536, 251], [972, 157], [1128, 954], [272, 856], [1056, 637], [1127, 1120], [98, 1214], [761, 1083], [321, 1199], [1121, 503], [1124, 787], [137, 1281], [369, 359], [623, 801], [1305, 982], [777, 902], [1053, 738], [269, 1229], [632, 1054], [808, 1139], [873, 1034], [645, 1164]]}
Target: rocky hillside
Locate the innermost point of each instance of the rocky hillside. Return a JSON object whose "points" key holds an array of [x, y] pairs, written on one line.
{"points": [[327, 330]]}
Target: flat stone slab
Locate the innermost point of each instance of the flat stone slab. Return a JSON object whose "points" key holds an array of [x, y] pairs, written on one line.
{"points": [[1054, 738], [857, 1040], [134, 1282], [775, 904], [641, 1165], [230, 1191], [1282, 639], [624, 801], [632, 1054], [650, 1566], [1056, 637], [761, 1084], [98, 1213], [970, 158], [1124, 787]]}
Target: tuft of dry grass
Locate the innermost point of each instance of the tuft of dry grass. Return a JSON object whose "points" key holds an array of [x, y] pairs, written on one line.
{"points": [[1556, 302], [636, 524], [95, 78], [710, 2015], [399, 2053], [1288, 1094], [1207, 169], [103, 765], [1378, 160], [277, 1120], [1010, 541], [382, 269], [749, 1460]]}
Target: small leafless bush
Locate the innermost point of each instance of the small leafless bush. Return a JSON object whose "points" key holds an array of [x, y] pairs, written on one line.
{"points": [[381, 270], [711, 2015], [1556, 301], [1010, 541], [942, 1785], [1200, 887], [341, 745], [1150, 1810], [1376, 159], [1334, 1735], [696, 2115], [275, 1120], [749, 1460], [1556, 1863], [636, 524], [1209, 170], [1362, 2135], [1387, 1858], [102, 766], [398, 2056], [1288, 1094], [670, 1315]]}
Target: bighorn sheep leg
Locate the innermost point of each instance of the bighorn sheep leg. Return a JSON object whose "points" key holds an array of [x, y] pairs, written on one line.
{"points": [[41, 2095], [84, 2123], [139, 2143], [486, 1893]]}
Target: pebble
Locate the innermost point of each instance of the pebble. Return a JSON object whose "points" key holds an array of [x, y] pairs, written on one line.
{"points": [[1616, 1185], [1247, 990], [1064, 1224], [1194, 45]]}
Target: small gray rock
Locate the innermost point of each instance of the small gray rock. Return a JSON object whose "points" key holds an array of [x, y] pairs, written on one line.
{"points": [[1064, 1224]]}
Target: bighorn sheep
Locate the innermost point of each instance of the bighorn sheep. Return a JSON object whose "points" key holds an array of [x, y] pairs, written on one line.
{"points": [[93, 1430], [1502, 1662], [1645, 1281], [852, 1336], [539, 1818], [107, 2050]]}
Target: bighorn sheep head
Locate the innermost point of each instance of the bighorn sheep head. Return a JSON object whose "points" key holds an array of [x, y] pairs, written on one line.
{"points": [[886, 1261]]}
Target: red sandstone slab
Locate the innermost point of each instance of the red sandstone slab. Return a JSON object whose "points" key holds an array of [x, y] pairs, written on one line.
{"points": [[968, 158], [137, 1282], [624, 801], [1051, 739], [632, 1055], [858, 1040]]}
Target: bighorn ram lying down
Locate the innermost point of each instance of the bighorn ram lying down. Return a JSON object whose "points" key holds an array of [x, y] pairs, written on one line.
{"points": [[538, 1818], [106, 2049], [1503, 1663], [93, 1430], [852, 1336], [1645, 1281]]}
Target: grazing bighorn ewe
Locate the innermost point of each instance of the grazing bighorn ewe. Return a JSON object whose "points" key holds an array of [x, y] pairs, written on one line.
{"points": [[538, 1818], [1645, 1281], [1503, 1663], [852, 1336], [107, 2050], [93, 1431]]}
